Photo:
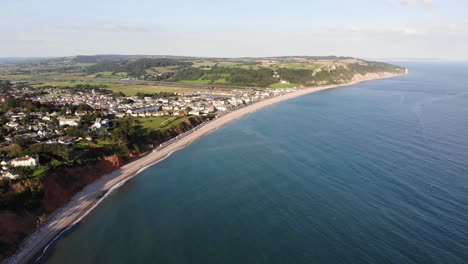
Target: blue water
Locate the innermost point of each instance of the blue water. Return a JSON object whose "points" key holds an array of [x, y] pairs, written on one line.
{"points": [[372, 173]]}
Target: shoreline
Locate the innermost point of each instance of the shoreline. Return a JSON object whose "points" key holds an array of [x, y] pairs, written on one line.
{"points": [[82, 203]]}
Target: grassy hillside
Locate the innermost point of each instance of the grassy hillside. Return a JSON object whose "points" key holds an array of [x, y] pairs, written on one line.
{"points": [[274, 72]]}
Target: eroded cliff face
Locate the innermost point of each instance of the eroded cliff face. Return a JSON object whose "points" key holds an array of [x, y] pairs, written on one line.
{"points": [[61, 185], [370, 76], [14, 228]]}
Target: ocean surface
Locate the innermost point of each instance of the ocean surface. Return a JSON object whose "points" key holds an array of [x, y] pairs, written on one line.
{"points": [[372, 173]]}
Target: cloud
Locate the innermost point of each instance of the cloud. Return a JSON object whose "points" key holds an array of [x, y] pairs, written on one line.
{"points": [[416, 2]]}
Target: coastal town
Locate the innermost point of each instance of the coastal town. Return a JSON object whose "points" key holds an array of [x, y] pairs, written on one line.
{"points": [[73, 128], [187, 132], [67, 111]]}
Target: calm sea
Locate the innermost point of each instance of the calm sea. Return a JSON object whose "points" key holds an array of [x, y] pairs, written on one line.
{"points": [[372, 173]]}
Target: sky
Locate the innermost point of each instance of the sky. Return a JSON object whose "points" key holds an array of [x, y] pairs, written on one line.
{"points": [[387, 29]]}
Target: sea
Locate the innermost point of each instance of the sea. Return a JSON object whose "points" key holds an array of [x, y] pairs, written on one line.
{"points": [[375, 172]]}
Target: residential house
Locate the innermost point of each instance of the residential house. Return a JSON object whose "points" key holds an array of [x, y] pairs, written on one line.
{"points": [[66, 140], [72, 121], [25, 162]]}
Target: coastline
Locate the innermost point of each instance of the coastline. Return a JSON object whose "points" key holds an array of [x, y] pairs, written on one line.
{"points": [[90, 197]]}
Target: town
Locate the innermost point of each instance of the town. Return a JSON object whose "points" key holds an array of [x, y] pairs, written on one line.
{"points": [[76, 116], [69, 123]]}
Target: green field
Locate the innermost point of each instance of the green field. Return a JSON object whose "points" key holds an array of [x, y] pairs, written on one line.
{"points": [[206, 63], [227, 64], [69, 83], [127, 89], [40, 77], [208, 79], [133, 89], [109, 75], [221, 81], [162, 122], [283, 85], [40, 171], [296, 65], [15, 77], [242, 66]]}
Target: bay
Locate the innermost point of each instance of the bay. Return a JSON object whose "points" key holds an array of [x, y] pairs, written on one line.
{"points": [[372, 173]]}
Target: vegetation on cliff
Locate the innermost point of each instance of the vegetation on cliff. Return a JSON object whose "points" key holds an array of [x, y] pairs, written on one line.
{"points": [[33, 197]]}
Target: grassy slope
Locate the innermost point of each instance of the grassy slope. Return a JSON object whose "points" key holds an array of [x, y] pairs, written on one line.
{"points": [[206, 79], [133, 89], [162, 122]]}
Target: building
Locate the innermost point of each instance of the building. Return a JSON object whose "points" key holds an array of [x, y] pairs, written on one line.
{"points": [[194, 112], [69, 121], [8, 175], [66, 140], [25, 162]]}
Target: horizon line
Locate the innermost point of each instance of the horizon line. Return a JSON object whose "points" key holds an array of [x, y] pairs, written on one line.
{"points": [[235, 57]]}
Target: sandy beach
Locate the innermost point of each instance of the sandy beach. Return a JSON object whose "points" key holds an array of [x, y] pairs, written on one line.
{"points": [[86, 200]]}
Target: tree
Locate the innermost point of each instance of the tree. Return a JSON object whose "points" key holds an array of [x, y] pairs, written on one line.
{"points": [[5, 85], [14, 150], [120, 94], [74, 131], [127, 132], [26, 119]]}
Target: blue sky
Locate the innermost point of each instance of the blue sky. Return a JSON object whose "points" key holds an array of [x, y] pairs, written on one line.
{"points": [[360, 28]]}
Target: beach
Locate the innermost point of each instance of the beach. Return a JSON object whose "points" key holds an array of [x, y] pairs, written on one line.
{"points": [[86, 200]]}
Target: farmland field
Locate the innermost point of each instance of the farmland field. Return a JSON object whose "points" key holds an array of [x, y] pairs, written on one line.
{"points": [[133, 89], [127, 89]]}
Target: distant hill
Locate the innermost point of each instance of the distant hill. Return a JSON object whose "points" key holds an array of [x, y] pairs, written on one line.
{"points": [[114, 57], [23, 59], [276, 72], [101, 58]]}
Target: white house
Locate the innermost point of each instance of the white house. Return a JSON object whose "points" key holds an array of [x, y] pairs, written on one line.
{"points": [[6, 174], [69, 121], [194, 112], [221, 108], [25, 162], [66, 140]]}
